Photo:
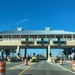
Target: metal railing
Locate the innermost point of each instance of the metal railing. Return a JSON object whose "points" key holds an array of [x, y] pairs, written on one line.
{"points": [[34, 39]]}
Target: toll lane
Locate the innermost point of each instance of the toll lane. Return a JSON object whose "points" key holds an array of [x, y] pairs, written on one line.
{"points": [[67, 65], [12, 64], [39, 68], [16, 68], [46, 68]]}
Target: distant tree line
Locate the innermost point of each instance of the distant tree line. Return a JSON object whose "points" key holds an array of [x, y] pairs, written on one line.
{"points": [[68, 52], [7, 52]]}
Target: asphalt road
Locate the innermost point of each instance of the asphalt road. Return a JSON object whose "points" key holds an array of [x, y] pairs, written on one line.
{"points": [[15, 68], [11, 64], [39, 68], [47, 68], [67, 65]]}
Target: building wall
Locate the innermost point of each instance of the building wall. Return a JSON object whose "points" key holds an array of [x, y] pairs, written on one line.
{"points": [[16, 39]]}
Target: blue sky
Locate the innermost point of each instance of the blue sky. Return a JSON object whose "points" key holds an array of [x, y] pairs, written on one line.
{"points": [[37, 14]]}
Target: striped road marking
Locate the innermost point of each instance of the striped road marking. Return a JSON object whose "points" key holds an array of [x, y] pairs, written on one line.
{"points": [[13, 67], [62, 67]]}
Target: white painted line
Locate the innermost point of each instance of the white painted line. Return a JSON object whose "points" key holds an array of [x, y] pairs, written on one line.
{"points": [[68, 61], [71, 71], [21, 66], [11, 68], [18, 67], [7, 62], [61, 67], [66, 69]]}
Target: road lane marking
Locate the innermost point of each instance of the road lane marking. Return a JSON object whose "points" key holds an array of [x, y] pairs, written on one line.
{"points": [[68, 61], [61, 67], [66, 69], [7, 62], [12, 67], [25, 69]]}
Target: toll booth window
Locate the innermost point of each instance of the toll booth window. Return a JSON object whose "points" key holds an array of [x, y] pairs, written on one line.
{"points": [[0, 38], [69, 37], [58, 39], [48, 36], [26, 39], [42, 39]]}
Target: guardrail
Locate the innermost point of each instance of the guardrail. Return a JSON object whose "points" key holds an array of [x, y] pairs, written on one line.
{"points": [[33, 39]]}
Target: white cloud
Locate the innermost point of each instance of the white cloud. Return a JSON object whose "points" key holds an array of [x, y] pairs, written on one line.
{"points": [[21, 21]]}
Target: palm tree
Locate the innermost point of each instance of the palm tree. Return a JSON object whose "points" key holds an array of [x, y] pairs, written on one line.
{"points": [[13, 51], [2, 52], [7, 52], [68, 52], [33, 54]]}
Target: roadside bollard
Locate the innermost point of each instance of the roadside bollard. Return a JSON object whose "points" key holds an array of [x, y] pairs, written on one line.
{"points": [[61, 62], [25, 62], [73, 65], [53, 60], [2, 68], [22, 58]]}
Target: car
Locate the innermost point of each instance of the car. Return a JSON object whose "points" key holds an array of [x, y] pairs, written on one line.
{"points": [[34, 59]]}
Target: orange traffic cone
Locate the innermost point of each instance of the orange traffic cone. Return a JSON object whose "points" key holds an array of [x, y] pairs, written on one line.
{"points": [[25, 62], [53, 60], [61, 62], [2, 68], [73, 65]]}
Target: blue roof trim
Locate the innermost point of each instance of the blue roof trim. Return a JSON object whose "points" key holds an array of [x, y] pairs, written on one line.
{"points": [[37, 32]]}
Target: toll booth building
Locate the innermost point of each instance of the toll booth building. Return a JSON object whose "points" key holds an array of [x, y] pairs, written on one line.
{"points": [[37, 39]]}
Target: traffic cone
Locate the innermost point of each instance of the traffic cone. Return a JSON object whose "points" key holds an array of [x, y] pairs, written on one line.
{"points": [[25, 62], [2, 68], [53, 60], [73, 65], [61, 62]]}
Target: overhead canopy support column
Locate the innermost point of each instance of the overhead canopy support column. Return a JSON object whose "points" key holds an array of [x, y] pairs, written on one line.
{"points": [[25, 52], [49, 52], [18, 50]]}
